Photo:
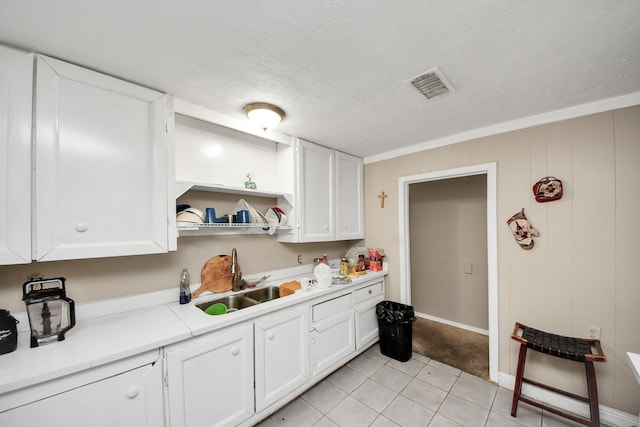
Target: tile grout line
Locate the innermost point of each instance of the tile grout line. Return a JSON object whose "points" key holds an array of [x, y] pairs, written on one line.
{"points": [[460, 377]]}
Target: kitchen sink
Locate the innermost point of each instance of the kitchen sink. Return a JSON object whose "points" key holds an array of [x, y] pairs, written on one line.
{"points": [[237, 302], [263, 294], [247, 299]]}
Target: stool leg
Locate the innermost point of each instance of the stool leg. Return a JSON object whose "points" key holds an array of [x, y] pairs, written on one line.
{"points": [[522, 357], [592, 389]]}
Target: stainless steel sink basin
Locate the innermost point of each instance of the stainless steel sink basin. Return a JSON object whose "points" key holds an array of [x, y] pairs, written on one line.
{"points": [[232, 302], [265, 294], [244, 300]]}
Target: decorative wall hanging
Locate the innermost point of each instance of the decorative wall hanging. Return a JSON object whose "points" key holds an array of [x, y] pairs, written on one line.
{"points": [[522, 230], [382, 196], [547, 189]]}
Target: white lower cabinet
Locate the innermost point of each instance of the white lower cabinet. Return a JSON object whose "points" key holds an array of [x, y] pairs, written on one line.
{"points": [[332, 333], [281, 354], [366, 299], [131, 398], [210, 379]]}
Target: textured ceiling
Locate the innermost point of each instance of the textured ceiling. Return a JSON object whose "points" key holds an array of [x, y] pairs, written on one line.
{"points": [[341, 69]]}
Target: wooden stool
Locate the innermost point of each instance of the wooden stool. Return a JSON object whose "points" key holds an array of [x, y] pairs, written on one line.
{"points": [[586, 351]]}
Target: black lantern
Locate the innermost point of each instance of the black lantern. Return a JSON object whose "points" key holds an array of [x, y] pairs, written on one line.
{"points": [[51, 313]]}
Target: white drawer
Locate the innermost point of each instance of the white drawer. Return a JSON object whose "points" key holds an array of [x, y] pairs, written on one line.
{"points": [[331, 307], [368, 292]]}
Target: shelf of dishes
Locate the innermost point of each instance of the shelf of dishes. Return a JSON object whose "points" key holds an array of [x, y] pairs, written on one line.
{"points": [[247, 220]]}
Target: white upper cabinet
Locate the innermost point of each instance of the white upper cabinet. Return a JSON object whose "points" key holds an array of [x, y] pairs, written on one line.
{"points": [[316, 182], [328, 194], [349, 197], [103, 158], [16, 81]]}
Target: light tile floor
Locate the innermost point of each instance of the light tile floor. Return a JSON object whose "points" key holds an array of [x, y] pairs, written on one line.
{"points": [[375, 390]]}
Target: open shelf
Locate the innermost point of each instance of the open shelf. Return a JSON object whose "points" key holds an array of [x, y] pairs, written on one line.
{"points": [[184, 186]]}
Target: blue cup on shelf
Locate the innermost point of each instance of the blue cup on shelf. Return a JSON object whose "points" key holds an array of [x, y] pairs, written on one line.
{"points": [[243, 216], [210, 215]]}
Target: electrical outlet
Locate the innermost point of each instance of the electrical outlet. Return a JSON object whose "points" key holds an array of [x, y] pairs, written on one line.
{"points": [[593, 332], [299, 259]]}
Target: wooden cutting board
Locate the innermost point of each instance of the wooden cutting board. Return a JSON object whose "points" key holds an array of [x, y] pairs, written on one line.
{"points": [[215, 275]]}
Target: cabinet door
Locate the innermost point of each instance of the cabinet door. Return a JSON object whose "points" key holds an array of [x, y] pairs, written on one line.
{"points": [[210, 379], [101, 166], [133, 398], [282, 355], [316, 193], [16, 76], [366, 299], [349, 197], [331, 341], [367, 322]]}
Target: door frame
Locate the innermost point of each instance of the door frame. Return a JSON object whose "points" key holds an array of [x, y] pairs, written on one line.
{"points": [[490, 170]]}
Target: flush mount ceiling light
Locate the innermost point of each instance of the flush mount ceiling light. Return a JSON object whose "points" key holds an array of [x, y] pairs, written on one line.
{"points": [[266, 116]]}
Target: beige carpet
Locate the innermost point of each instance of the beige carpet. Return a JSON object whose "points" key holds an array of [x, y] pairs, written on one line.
{"points": [[462, 349]]}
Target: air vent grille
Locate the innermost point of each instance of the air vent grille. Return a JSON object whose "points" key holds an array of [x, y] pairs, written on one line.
{"points": [[432, 83]]}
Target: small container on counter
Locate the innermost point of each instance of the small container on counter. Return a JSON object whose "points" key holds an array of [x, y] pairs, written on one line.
{"points": [[362, 266], [185, 288], [344, 267]]}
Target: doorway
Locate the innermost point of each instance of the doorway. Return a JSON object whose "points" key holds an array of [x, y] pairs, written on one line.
{"points": [[489, 171]]}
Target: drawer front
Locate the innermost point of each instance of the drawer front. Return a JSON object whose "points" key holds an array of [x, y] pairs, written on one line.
{"points": [[331, 307], [368, 292]]}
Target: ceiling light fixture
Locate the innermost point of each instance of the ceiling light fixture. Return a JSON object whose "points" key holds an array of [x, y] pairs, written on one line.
{"points": [[266, 116]]}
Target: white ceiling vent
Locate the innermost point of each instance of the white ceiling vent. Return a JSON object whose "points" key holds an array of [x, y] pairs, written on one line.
{"points": [[432, 83]]}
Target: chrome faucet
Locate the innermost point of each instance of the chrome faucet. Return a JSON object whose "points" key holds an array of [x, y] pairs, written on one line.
{"points": [[236, 279]]}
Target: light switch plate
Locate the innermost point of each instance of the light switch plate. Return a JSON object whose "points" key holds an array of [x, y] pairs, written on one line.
{"points": [[468, 268]]}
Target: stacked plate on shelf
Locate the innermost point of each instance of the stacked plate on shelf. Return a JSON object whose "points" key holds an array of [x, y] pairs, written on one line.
{"points": [[188, 216], [271, 220], [275, 217], [254, 216]]}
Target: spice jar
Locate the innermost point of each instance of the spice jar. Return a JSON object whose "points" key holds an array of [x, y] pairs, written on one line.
{"points": [[344, 267]]}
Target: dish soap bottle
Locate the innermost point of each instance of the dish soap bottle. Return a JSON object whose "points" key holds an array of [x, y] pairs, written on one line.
{"points": [[185, 289]]}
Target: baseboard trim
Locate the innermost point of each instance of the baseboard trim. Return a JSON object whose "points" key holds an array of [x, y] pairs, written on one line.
{"points": [[607, 415], [452, 323]]}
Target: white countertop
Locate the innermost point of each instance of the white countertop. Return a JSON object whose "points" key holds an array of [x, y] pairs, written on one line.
{"points": [[199, 322], [115, 329], [90, 343], [634, 361]]}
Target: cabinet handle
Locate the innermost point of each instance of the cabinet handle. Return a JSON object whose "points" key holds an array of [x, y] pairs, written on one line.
{"points": [[313, 341], [132, 392], [326, 227], [370, 291], [235, 351], [271, 335], [81, 227]]}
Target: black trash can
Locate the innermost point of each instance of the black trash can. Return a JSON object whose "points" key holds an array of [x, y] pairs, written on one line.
{"points": [[396, 329]]}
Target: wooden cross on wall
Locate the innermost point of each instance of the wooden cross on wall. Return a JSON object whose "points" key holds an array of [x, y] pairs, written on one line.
{"points": [[382, 196]]}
